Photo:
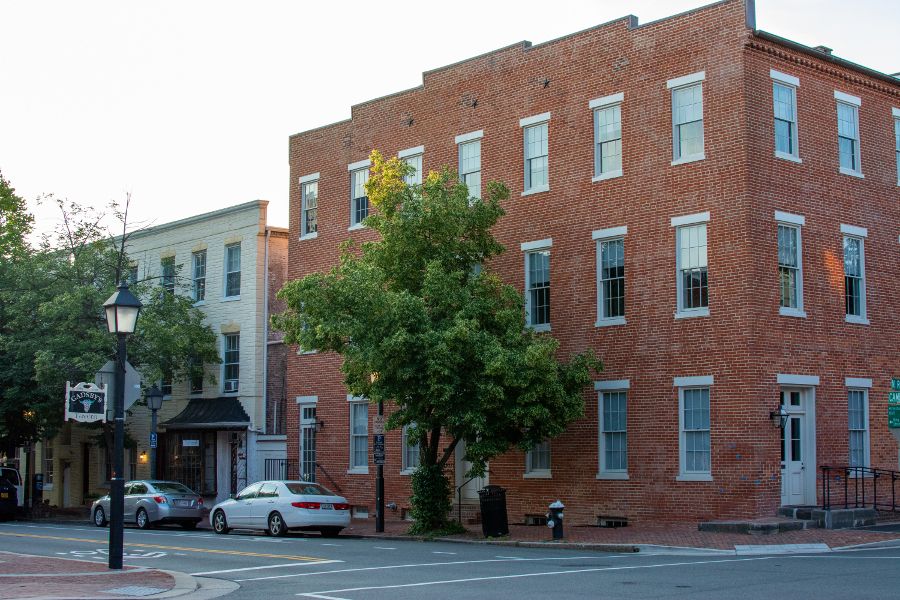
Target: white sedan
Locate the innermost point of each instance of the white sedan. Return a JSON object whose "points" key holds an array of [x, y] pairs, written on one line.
{"points": [[279, 506]]}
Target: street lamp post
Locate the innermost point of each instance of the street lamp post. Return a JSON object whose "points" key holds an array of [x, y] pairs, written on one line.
{"points": [[154, 403], [122, 310]]}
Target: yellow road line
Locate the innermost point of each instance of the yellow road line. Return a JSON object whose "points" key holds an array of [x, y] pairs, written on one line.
{"points": [[161, 547]]}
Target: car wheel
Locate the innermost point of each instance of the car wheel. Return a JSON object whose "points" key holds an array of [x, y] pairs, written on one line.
{"points": [[142, 519], [220, 524], [330, 532], [100, 517], [277, 528], [190, 525]]}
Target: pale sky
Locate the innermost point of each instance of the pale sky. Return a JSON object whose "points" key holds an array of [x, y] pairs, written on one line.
{"points": [[188, 105]]}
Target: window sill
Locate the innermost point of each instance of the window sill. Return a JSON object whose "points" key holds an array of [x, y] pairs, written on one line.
{"points": [[407, 472], [605, 176], [540, 328], [610, 322], [231, 298], [851, 172], [688, 159], [785, 311], [694, 477], [537, 475], [356, 227], [536, 190], [856, 320], [309, 236], [620, 476], [302, 352], [358, 471], [786, 156], [200, 303], [690, 314]]}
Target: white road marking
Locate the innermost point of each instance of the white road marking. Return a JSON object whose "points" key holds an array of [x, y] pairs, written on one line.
{"points": [[383, 548], [432, 564], [293, 564], [335, 545], [521, 575], [436, 552], [323, 597], [509, 557]]}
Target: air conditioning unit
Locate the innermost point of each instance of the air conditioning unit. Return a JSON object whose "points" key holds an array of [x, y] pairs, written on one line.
{"points": [[231, 385]]}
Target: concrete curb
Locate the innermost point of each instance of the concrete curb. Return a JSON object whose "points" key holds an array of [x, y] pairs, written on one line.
{"points": [[184, 584], [618, 548]]}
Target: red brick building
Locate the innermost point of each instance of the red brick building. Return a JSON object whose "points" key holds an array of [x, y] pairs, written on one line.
{"points": [[719, 210]]}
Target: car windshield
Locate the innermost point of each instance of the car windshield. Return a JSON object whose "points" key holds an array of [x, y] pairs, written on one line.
{"points": [[307, 489], [10, 475], [171, 487]]}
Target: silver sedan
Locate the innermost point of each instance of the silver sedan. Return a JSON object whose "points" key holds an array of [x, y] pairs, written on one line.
{"points": [[150, 502]]}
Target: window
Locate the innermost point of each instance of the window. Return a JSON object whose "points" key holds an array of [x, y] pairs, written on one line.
{"points": [[359, 201], [613, 427], [897, 140], [607, 136], [132, 277], [536, 150], [165, 385], [784, 96], [132, 462], [196, 376], [470, 161], [199, 275], [848, 133], [687, 117], [854, 274], [694, 441], [790, 264], [48, 463], [410, 451], [610, 276], [232, 270], [167, 269], [537, 460], [309, 192], [691, 263], [413, 158], [359, 436], [232, 362], [858, 424], [537, 284]]}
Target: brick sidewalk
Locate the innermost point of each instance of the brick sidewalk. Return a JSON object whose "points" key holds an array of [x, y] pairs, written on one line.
{"points": [[24, 576], [684, 535]]}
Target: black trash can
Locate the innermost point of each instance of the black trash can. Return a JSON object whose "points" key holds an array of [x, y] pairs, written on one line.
{"points": [[493, 511]]}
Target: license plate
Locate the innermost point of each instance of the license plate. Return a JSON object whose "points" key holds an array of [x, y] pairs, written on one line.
{"points": [[327, 506], [183, 503], [4, 494]]}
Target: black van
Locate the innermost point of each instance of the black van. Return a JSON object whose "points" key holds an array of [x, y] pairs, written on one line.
{"points": [[9, 501]]}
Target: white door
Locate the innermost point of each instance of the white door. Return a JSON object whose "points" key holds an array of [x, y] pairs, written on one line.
{"points": [[308, 442], [469, 487], [794, 449]]}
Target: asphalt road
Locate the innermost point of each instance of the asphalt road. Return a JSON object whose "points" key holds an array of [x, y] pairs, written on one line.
{"points": [[301, 566]]}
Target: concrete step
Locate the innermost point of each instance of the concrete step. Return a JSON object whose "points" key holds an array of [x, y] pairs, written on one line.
{"points": [[757, 526]]}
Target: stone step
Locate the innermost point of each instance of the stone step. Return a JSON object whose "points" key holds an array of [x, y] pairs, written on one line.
{"points": [[757, 526]]}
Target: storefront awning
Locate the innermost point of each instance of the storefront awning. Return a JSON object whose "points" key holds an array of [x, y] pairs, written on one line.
{"points": [[210, 413]]}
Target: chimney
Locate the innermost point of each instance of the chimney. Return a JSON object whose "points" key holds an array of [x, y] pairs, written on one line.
{"points": [[823, 49]]}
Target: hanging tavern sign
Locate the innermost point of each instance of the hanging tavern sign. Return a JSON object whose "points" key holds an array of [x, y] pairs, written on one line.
{"points": [[85, 402]]}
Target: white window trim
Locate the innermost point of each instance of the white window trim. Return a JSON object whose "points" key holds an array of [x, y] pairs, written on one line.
{"points": [[860, 233], [693, 219], [536, 190], [406, 470], [304, 180], [307, 399], [858, 382], [686, 221], [356, 470], [680, 82], [686, 80], [603, 235], [360, 164], [410, 152], [867, 444], [852, 101], [527, 248], [309, 178], [538, 473], [693, 381], [597, 103], [469, 137], [606, 100], [607, 175], [224, 364], [620, 385], [854, 231], [687, 383], [847, 98], [796, 221], [357, 166], [784, 78], [534, 120], [225, 296], [797, 380], [792, 82], [895, 112]]}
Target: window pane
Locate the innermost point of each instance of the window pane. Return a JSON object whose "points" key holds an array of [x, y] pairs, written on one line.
{"points": [[359, 204], [612, 277], [199, 264], [609, 139], [167, 266], [310, 207], [539, 287], [233, 270], [416, 163], [470, 167], [536, 156], [788, 265], [853, 276]]}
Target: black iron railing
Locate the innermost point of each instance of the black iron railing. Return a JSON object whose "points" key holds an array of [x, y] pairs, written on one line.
{"points": [[859, 487], [283, 468]]}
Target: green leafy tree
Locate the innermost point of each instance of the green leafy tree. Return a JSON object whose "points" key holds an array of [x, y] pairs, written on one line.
{"points": [[421, 326]]}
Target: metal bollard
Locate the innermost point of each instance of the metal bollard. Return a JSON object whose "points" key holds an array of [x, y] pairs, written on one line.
{"points": [[555, 519]]}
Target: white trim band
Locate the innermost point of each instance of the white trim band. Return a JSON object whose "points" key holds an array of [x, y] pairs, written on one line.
{"points": [[360, 164], [842, 97], [308, 178], [536, 119], [469, 137], [686, 80], [411, 152], [610, 232], [617, 384], [700, 380], [857, 382], [895, 112], [307, 399], [537, 244], [352, 398], [784, 379], [607, 100], [854, 230], [690, 219], [784, 217], [784, 78]]}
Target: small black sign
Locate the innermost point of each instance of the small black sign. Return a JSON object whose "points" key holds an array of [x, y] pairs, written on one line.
{"points": [[378, 449]]}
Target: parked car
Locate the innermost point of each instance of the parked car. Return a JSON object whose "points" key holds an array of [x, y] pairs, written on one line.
{"points": [[8, 500], [12, 476], [149, 503], [280, 506]]}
